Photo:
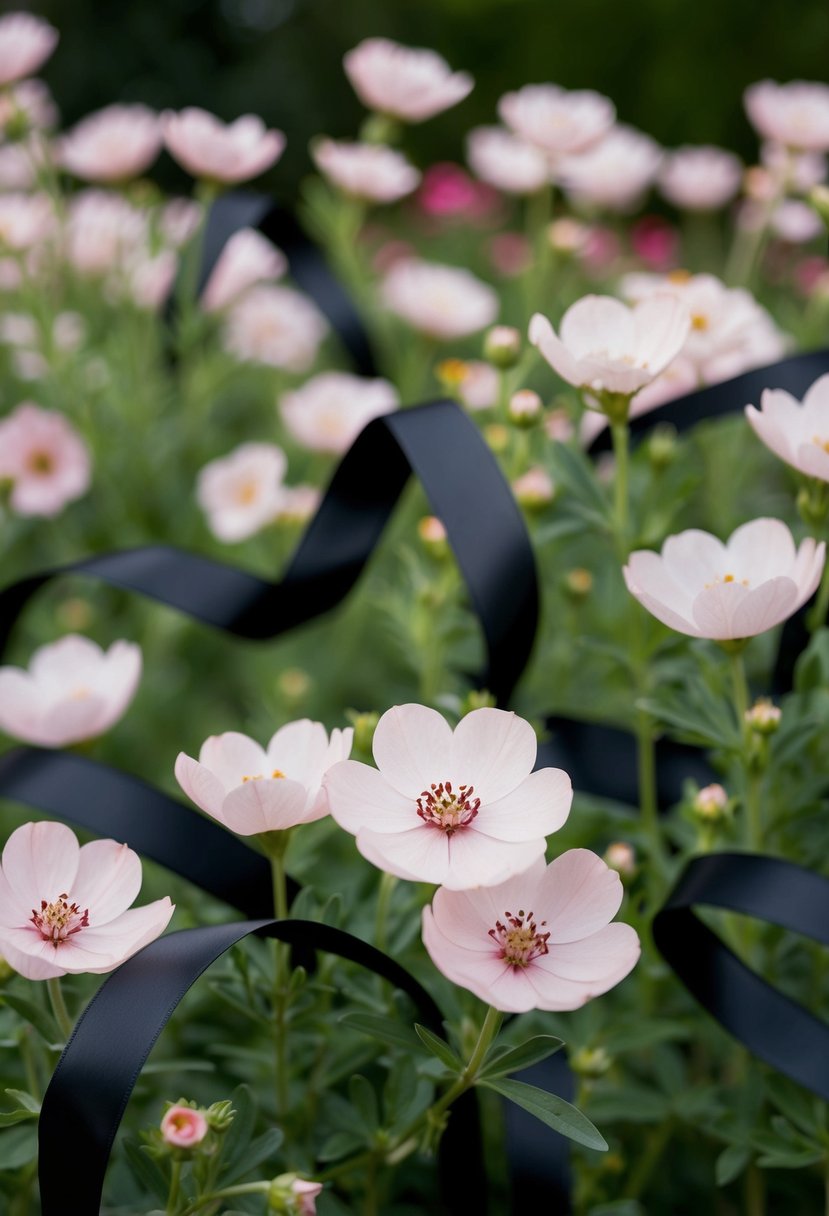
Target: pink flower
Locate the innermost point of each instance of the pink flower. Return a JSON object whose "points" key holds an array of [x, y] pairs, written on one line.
{"points": [[678, 378], [700, 178], [294, 1196], [147, 280], [29, 105], [706, 589], [534, 489], [112, 145], [180, 220], [220, 152], [298, 503], [794, 171], [478, 389], [510, 253], [506, 162], [242, 493], [66, 909], [276, 326], [305, 1195], [540, 940], [796, 432], [600, 249], [794, 114], [73, 690], [606, 346], [101, 230], [557, 121], [247, 258], [328, 412], [461, 808], [796, 222], [371, 172], [26, 42], [443, 302], [250, 789], [408, 84], [613, 173], [184, 1127], [655, 241], [26, 220], [45, 458]]}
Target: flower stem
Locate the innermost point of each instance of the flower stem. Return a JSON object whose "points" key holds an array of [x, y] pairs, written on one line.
{"points": [[175, 1184], [646, 773], [816, 618], [384, 895], [621, 451], [753, 834], [276, 844], [227, 1192], [56, 1000]]}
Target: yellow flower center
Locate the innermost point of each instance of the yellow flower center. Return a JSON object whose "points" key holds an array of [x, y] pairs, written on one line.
{"points": [[276, 774], [247, 493], [699, 321], [726, 578], [823, 444]]}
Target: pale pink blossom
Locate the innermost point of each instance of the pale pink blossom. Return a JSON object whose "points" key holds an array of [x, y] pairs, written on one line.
{"points": [[797, 432], [68, 331], [45, 458], [26, 220], [29, 106], [184, 1127], [327, 413], [250, 789], [242, 493], [480, 385], [558, 121], [405, 83], [19, 329], [793, 171], [65, 909], [678, 378], [305, 1195], [30, 365], [534, 489], [73, 690], [26, 42], [247, 258], [613, 173], [102, 229], [461, 808], [18, 165], [371, 172], [220, 152], [506, 162], [706, 589], [794, 114], [443, 302], [540, 940], [510, 253], [299, 503], [700, 178], [274, 325], [112, 145], [606, 346], [180, 220], [795, 222]]}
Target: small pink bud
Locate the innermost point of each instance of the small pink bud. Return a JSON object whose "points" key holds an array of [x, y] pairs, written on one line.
{"points": [[183, 1127], [525, 407], [763, 717], [711, 803], [621, 857]]}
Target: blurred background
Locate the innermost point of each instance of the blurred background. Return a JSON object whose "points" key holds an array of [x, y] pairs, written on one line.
{"points": [[675, 69]]}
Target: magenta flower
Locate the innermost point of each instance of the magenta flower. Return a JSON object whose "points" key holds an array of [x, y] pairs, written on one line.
{"points": [[184, 1127], [327, 413], [409, 84], [112, 145], [26, 42], [371, 172], [250, 789], [461, 808], [540, 940], [66, 909], [706, 589], [45, 459], [220, 152], [796, 432]]}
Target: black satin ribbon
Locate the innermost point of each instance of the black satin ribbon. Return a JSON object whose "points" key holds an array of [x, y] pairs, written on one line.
{"points": [[771, 1025], [91, 1086], [466, 489]]}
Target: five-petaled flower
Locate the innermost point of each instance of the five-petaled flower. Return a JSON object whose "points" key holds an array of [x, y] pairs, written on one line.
{"points": [[796, 432]]}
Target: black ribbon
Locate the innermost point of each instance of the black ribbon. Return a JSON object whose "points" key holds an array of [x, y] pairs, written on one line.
{"points": [[771, 1025]]}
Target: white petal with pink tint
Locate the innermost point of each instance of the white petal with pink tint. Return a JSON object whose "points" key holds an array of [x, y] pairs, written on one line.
{"points": [[412, 743], [46, 459], [247, 258], [796, 432], [328, 412], [555, 120], [216, 151], [406, 83], [493, 750], [444, 302], [26, 42]]}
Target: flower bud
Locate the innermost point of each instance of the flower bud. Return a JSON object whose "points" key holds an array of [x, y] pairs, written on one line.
{"points": [[364, 724], [662, 446], [502, 346], [621, 857], [293, 1196], [559, 426], [711, 804], [294, 684], [763, 717], [477, 699], [497, 436], [819, 198], [577, 585], [525, 408], [567, 235], [590, 1062], [220, 1115], [535, 489], [432, 535], [184, 1126]]}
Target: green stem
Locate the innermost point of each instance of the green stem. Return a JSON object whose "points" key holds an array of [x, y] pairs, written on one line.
{"points": [[643, 1169], [276, 844], [648, 804], [175, 1185], [227, 1192], [753, 833], [621, 451], [388, 882], [817, 614], [56, 1000], [755, 1191]]}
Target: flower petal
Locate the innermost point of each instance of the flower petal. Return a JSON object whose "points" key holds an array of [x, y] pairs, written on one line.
{"points": [[200, 784], [299, 749], [412, 748], [543, 336], [108, 880], [40, 861], [578, 895], [360, 797], [101, 949], [264, 806], [606, 955], [493, 750], [537, 807], [232, 756], [760, 550]]}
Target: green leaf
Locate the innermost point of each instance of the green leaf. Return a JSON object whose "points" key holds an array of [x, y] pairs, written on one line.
{"points": [[797, 1105], [440, 1048], [238, 1136], [631, 1104], [641, 1035], [572, 470], [364, 1100], [147, 1170], [794, 1160], [9, 1118], [386, 1030], [563, 1118], [505, 1060], [811, 671], [43, 1022], [731, 1163], [18, 1146], [27, 1101], [264, 1147], [338, 1145]]}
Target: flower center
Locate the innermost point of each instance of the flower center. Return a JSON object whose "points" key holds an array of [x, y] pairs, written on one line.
{"points": [[40, 463], [821, 443], [276, 774], [725, 578], [247, 493], [58, 920], [442, 807], [519, 939], [699, 321]]}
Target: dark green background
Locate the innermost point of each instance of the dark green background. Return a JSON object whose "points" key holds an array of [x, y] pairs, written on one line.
{"points": [[676, 68]]}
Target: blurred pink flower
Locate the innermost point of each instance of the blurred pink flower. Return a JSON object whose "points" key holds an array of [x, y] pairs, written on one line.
{"points": [[510, 253], [405, 83], [700, 178], [327, 413], [220, 152], [72, 690], [66, 909], [448, 190], [371, 172], [305, 1196], [606, 346], [183, 1127], [179, 221], [479, 386], [26, 220], [112, 145], [655, 241], [794, 114], [443, 302], [795, 171], [810, 274], [45, 458], [277, 326], [796, 432], [298, 503], [613, 173], [241, 493], [540, 940], [101, 229], [250, 789], [600, 249], [534, 489], [26, 42], [461, 808], [678, 378], [247, 258], [795, 222], [147, 279], [506, 162], [558, 121], [29, 105], [706, 589]]}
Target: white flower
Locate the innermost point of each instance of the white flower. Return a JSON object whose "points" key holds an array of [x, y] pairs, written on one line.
{"points": [[558, 121], [328, 412], [247, 258], [371, 172], [794, 114], [277, 326], [700, 178], [112, 145], [503, 160], [242, 492], [613, 173], [408, 84], [796, 432], [441, 301]]}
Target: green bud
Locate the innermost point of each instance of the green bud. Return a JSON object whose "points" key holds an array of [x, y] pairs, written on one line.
{"points": [[502, 346], [525, 408], [763, 717], [477, 699], [220, 1115], [364, 724], [662, 446], [590, 1062], [577, 584]]}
